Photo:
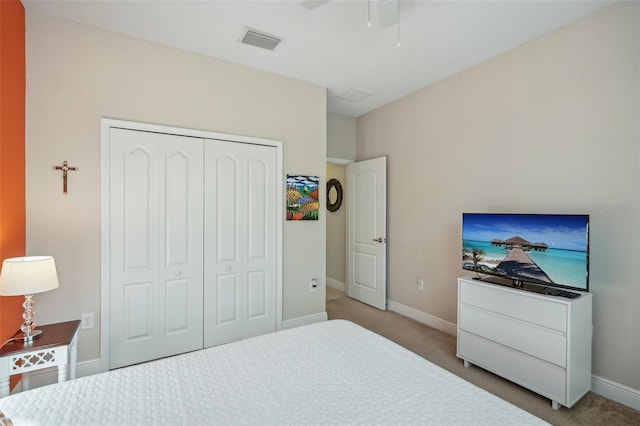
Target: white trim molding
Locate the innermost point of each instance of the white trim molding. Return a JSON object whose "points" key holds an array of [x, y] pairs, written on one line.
{"points": [[339, 161], [616, 392], [339, 285], [424, 318], [308, 319]]}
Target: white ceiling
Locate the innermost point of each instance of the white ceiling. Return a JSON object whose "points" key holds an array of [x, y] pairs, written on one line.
{"points": [[331, 45]]}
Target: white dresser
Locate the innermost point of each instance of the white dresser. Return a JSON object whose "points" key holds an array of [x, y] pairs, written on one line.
{"points": [[538, 341]]}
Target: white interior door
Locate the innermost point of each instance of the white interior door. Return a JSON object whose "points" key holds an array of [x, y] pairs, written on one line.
{"points": [[156, 233], [240, 241], [367, 231]]}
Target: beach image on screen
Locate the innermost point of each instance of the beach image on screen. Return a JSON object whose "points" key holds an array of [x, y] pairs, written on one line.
{"points": [[543, 249]]}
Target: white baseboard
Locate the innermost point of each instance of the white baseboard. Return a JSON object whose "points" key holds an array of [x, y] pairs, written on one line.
{"points": [[339, 285], [309, 319], [430, 320], [87, 368], [339, 161], [616, 392]]}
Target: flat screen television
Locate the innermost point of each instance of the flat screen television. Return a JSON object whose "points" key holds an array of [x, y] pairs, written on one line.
{"points": [[544, 249]]}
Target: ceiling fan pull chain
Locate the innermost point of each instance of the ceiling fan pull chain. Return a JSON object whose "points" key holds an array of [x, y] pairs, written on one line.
{"points": [[398, 23]]}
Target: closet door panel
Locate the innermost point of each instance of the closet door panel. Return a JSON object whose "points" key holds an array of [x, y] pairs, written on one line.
{"points": [[227, 207], [134, 253], [177, 312], [224, 211], [137, 299], [136, 209], [222, 309], [258, 298], [156, 245], [240, 238], [227, 299], [177, 209], [181, 273], [257, 211], [260, 251]]}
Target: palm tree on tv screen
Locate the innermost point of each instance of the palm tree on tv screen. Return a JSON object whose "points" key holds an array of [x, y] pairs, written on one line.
{"points": [[477, 255]]}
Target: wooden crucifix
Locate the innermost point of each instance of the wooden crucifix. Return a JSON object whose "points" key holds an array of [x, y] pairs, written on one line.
{"points": [[65, 168]]}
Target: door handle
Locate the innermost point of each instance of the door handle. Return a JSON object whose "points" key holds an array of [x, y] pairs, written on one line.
{"points": [[380, 240]]}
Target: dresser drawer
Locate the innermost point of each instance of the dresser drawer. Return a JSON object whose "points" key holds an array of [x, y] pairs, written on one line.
{"points": [[523, 306], [539, 376], [539, 342]]}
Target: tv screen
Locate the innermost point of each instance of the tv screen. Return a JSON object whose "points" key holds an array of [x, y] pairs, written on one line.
{"points": [[546, 249]]}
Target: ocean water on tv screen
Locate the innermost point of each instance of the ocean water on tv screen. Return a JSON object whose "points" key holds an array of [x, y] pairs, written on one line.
{"points": [[564, 267]]}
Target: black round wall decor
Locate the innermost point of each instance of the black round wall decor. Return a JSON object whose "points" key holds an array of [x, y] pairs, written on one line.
{"points": [[334, 195]]}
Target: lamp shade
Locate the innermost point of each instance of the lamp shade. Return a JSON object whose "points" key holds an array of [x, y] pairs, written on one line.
{"points": [[28, 275]]}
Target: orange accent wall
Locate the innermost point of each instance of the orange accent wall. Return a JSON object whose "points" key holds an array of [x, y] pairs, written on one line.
{"points": [[12, 151]]}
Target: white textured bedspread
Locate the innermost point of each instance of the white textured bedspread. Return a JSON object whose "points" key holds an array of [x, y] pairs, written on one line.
{"points": [[333, 372]]}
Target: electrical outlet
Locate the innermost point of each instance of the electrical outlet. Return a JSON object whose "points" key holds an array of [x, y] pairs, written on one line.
{"points": [[420, 283], [313, 285], [87, 321]]}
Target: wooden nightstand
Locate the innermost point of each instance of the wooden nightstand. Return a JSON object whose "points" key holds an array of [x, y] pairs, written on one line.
{"points": [[57, 347]]}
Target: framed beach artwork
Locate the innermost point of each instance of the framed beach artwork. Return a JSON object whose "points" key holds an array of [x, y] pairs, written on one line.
{"points": [[302, 197]]}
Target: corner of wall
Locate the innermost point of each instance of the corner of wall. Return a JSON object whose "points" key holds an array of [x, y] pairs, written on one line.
{"points": [[12, 150]]}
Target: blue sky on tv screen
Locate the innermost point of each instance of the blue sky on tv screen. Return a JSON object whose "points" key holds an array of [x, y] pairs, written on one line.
{"points": [[566, 232]]}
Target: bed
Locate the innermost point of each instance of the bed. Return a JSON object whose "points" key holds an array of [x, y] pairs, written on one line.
{"points": [[333, 372]]}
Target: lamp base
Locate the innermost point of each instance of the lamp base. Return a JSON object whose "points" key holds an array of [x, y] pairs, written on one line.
{"points": [[27, 337]]}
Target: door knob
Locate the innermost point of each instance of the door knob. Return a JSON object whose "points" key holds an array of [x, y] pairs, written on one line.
{"points": [[380, 240]]}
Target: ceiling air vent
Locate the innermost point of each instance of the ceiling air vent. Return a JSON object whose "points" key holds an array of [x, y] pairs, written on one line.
{"points": [[259, 39], [353, 95]]}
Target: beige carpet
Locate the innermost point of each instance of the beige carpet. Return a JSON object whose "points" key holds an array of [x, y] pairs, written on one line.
{"points": [[334, 293], [440, 348]]}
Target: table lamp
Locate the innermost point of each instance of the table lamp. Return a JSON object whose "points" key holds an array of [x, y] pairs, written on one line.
{"points": [[27, 276]]}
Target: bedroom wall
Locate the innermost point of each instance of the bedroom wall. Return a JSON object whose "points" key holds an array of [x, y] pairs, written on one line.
{"points": [[341, 145], [551, 126], [341, 137], [77, 74], [337, 232], [12, 172]]}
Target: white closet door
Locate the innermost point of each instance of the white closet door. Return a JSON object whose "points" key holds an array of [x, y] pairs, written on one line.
{"points": [[156, 231], [240, 241]]}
